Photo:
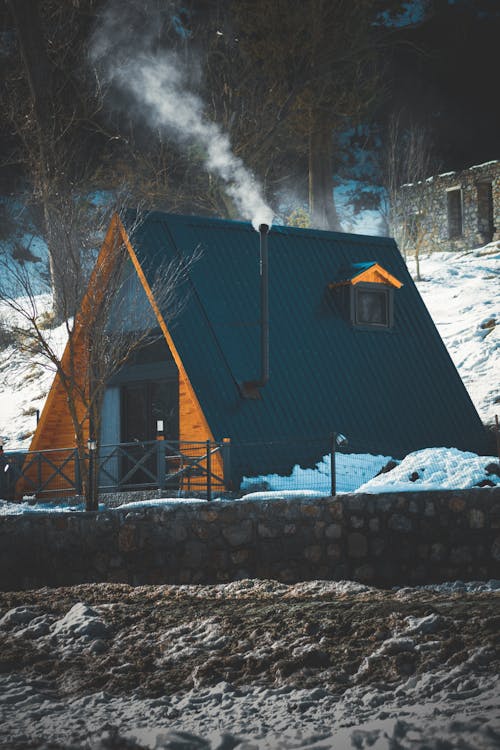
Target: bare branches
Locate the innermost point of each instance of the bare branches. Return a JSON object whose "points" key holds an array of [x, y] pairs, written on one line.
{"points": [[408, 159]]}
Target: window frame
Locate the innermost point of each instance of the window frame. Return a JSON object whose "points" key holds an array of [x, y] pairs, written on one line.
{"points": [[366, 286]]}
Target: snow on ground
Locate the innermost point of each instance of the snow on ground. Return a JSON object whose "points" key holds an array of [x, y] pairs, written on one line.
{"points": [[436, 469], [439, 711], [251, 665], [351, 470], [24, 384], [428, 469], [462, 293]]}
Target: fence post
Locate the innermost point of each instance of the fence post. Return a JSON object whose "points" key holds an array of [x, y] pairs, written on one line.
{"points": [[78, 473], [209, 472], [160, 462], [333, 482], [91, 480], [39, 472], [226, 461], [497, 435]]}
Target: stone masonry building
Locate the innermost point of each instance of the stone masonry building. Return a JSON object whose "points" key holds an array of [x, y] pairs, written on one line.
{"points": [[451, 211]]}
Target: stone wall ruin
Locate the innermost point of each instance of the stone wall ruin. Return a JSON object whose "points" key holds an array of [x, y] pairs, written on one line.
{"points": [[451, 211]]}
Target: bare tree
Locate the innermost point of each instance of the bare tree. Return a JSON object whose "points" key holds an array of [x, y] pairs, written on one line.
{"points": [[407, 160], [99, 341]]}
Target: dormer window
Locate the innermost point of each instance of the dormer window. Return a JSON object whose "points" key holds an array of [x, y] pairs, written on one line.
{"points": [[365, 296], [371, 305]]}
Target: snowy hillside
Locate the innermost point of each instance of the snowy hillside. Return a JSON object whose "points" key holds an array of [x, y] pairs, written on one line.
{"points": [[462, 294], [461, 291]]}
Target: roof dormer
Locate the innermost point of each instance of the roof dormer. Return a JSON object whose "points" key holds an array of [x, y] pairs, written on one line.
{"points": [[364, 294]]}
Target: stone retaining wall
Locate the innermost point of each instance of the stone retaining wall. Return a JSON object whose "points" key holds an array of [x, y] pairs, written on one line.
{"points": [[388, 539]]}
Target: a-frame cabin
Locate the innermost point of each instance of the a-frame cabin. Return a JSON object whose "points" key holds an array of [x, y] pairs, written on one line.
{"points": [[352, 349]]}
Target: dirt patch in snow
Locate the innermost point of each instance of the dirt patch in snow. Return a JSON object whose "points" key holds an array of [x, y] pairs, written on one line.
{"points": [[155, 641]]}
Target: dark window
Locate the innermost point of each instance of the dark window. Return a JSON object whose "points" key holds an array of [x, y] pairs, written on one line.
{"points": [[454, 213], [485, 210], [371, 306], [143, 404]]}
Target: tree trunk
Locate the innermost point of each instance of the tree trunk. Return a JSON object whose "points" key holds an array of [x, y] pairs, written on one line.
{"points": [[38, 70], [321, 202]]}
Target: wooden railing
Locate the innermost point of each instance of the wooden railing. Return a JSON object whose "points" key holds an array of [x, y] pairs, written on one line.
{"points": [[200, 468]]}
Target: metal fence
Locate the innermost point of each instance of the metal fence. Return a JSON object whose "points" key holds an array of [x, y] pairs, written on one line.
{"points": [[183, 467], [326, 466], [48, 473], [164, 464]]}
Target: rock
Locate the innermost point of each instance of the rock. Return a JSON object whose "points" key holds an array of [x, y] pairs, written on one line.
{"points": [[485, 483], [457, 504], [312, 511], [98, 646], [80, 621], [238, 534], [493, 468], [390, 465], [476, 518], [333, 531], [414, 476], [17, 616], [266, 532], [495, 549], [460, 555], [357, 545], [319, 529], [438, 552], [495, 516], [209, 516], [313, 553], [397, 522], [179, 533], [377, 546], [195, 553], [374, 525], [424, 625], [334, 550], [239, 556], [364, 573], [396, 646], [336, 509], [127, 538], [357, 522]]}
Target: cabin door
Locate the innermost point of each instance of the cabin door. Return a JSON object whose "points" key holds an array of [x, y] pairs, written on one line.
{"points": [[143, 405]]}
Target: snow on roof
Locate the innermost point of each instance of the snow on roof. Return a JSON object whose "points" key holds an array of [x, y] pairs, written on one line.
{"points": [[450, 174]]}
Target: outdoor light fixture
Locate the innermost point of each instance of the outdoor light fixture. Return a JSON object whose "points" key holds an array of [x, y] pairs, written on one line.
{"points": [[92, 444], [159, 425], [341, 439]]}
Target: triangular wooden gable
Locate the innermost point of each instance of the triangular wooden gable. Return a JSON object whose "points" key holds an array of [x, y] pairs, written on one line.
{"points": [[372, 273], [55, 428]]}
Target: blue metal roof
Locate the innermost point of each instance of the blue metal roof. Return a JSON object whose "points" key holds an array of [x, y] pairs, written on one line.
{"points": [[392, 391]]}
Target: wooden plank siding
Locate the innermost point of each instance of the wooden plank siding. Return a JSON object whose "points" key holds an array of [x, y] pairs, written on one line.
{"points": [[55, 428]]}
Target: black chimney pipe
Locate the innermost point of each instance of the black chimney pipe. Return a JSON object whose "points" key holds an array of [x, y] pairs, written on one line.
{"points": [[250, 389], [264, 306]]}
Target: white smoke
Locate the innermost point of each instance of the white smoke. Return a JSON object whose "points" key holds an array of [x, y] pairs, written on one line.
{"points": [[159, 84]]}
